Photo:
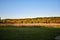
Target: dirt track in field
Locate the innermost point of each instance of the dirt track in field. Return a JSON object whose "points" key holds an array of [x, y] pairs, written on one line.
{"points": [[35, 24]]}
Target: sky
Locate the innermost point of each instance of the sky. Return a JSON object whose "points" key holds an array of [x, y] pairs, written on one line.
{"points": [[29, 8]]}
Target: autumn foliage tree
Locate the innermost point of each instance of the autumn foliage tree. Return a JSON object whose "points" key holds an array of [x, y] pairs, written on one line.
{"points": [[33, 20]]}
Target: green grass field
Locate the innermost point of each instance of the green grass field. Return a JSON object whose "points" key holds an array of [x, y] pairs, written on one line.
{"points": [[26, 33]]}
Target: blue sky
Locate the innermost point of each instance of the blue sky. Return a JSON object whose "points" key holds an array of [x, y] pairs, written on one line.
{"points": [[29, 8]]}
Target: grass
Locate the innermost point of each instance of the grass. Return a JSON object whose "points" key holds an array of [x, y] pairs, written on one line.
{"points": [[26, 33]]}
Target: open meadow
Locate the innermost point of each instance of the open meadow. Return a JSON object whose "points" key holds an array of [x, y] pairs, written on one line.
{"points": [[28, 33], [29, 19]]}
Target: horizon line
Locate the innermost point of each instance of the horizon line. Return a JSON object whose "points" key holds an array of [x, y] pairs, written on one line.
{"points": [[28, 17]]}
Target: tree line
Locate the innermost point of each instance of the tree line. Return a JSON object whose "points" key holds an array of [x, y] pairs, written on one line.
{"points": [[32, 20]]}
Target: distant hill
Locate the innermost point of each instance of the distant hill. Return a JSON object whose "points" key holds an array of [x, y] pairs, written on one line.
{"points": [[32, 20]]}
